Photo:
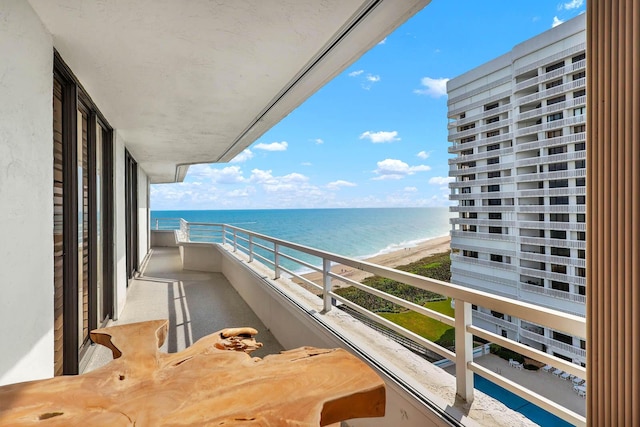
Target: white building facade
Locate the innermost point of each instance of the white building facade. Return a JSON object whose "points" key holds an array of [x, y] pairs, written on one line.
{"points": [[517, 128]]}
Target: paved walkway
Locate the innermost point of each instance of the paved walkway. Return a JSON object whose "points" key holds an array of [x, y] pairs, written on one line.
{"points": [[195, 303], [543, 383]]}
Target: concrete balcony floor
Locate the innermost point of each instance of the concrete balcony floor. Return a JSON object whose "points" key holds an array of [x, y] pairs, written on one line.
{"points": [[195, 303]]}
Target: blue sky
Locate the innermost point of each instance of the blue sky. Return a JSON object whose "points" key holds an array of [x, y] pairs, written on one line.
{"points": [[376, 135]]}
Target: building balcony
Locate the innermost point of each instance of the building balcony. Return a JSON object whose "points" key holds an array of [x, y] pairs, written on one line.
{"points": [[455, 134], [501, 208], [564, 157], [263, 272], [576, 84], [458, 146], [491, 318], [554, 293], [454, 171], [550, 342], [552, 208], [544, 143], [483, 155], [476, 221], [567, 69], [481, 182], [470, 119], [560, 191], [483, 236], [581, 119], [546, 225], [484, 195], [570, 103], [497, 97], [549, 176]]}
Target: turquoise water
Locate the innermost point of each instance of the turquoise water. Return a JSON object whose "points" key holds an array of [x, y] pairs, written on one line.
{"points": [[357, 233], [526, 408]]}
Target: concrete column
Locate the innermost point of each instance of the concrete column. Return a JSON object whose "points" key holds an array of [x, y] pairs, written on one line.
{"points": [[613, 212]]}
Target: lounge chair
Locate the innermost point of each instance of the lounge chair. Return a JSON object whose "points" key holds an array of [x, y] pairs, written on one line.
{"points": [[557, 372], [577, 380], [565, 375], [547, 368]]}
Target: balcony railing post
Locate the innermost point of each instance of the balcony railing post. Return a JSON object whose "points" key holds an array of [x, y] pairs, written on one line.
{"points": [[250, 248], [235, 241], [464, 351], [326, 285], [156, 223], [276, 260]]}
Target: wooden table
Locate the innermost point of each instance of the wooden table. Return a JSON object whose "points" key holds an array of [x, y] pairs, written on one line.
{"points": [[213, 382]]}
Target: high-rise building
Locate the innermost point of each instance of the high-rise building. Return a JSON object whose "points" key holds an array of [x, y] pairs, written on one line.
{"points": [[517, 128]]}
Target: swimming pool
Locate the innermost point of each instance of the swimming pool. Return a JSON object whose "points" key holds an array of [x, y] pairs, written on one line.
{"points": [[526, 408]]}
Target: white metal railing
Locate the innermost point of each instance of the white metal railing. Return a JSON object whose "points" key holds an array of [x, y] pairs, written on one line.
{"points": [[567, 69], [491, 318], [480, 116], [483, 155], [575, 84], [552, 158], [276, 253], [570, 103], [553, 343], [559, 191], [459, 146], [166, 224], [454, 171], [480, 182], [550, 142], [555, 124], [555, 293]]}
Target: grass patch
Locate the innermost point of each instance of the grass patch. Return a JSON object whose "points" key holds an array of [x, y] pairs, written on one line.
{"points": [[438, 267]]}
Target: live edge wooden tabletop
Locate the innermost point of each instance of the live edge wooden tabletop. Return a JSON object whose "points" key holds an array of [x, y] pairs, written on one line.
{"points": [[215, 382]]}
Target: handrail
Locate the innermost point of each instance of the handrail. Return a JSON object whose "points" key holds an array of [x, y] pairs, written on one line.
{"points": [[274, 248]]}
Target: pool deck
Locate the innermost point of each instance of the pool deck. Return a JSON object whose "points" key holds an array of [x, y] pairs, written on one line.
{"points": [[541, 382]]}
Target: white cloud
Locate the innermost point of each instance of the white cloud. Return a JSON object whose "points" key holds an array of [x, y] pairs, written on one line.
{"points": [[228, 175], [274, 146], [556, 21], [424, 155], [397, 169], [243, 156], [355, 73], [383, 41], [306, 163], [241, 192], [335, 185], [573, 4], [318, 141], [373, 79], [441, 180], [410, 189], [380, 137], [434, 88]]}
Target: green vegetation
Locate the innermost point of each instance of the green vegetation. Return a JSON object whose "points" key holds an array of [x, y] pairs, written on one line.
{"points": [[436, 267]]}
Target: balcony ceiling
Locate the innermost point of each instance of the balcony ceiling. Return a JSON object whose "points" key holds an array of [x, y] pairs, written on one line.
{"points": [[198, 81]]}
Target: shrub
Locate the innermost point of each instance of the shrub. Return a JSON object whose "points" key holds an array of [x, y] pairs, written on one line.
{"points": [[505, 353]]}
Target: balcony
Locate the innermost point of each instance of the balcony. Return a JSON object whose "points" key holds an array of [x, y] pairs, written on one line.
{"points": [[263, 270]]}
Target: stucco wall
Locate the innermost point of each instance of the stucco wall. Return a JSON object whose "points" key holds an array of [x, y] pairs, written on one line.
{"points": [[143, 214], [120, 228], [26, 195]]}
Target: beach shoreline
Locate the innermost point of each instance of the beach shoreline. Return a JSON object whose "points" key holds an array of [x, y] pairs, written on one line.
{"points": [[390, 259]]}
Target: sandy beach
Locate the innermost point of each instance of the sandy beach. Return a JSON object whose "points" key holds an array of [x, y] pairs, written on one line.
{"points": [[391, 259]]}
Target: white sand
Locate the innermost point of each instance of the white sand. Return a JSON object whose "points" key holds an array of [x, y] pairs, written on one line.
{"points": [[391, 259]]}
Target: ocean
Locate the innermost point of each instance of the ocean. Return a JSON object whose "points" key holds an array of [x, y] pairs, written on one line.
{"points": [[357, 233]]}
